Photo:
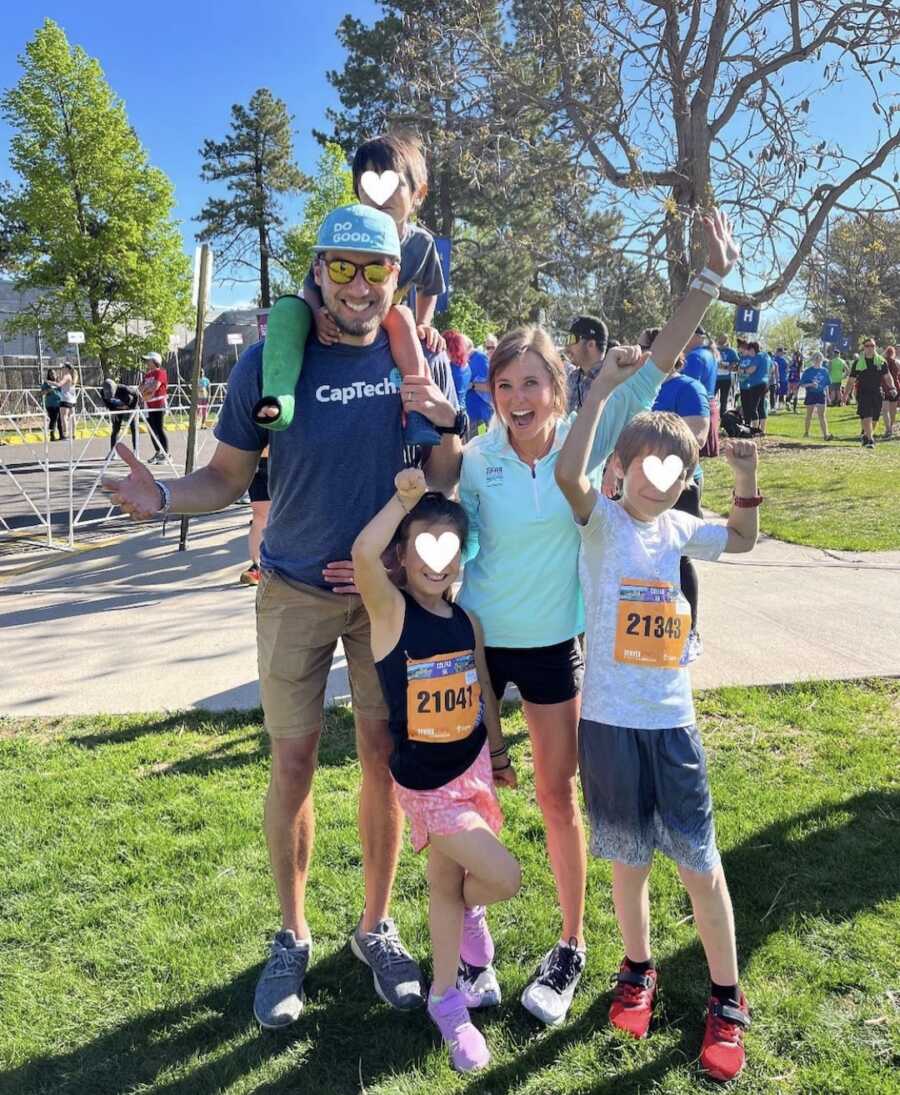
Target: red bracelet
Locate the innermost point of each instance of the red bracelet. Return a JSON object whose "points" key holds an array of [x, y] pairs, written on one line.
{"points": [[747, 503]]}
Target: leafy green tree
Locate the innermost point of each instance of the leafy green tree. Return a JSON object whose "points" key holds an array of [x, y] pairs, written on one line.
{"points": [[719, 320], [90, 223], [863, 278], [331, 187], [521, 217], [465, 314], [787, 331], [255, 160]]}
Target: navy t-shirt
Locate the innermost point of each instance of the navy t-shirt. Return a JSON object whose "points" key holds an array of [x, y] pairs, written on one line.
{"points": [[333, 468], [701, 365]]}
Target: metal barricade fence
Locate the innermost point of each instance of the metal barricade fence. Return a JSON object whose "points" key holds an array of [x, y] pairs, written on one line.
{"points": [[51, 489]]}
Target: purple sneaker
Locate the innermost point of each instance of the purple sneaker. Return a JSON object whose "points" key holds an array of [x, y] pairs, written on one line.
{"points": [[477, 946], [468, 1049]]}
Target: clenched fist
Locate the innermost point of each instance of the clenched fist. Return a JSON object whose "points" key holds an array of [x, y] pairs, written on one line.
{"points": [[410, 484], [741, 454]]}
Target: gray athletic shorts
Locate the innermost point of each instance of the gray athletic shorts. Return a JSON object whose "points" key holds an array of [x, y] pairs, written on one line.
{"points": [[647, 789]]}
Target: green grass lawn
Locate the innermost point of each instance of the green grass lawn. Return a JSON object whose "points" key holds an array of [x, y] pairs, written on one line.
{"points": [[135, 906], [825, 494]]}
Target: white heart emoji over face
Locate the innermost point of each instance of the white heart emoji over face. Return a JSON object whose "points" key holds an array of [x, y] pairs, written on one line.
{"points": [[662, 473], [437, 553], [379, 187]]}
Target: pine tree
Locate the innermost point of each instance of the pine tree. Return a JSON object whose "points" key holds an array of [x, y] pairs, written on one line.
{"points": [[256, 162], [90, 224], [526, 240]]}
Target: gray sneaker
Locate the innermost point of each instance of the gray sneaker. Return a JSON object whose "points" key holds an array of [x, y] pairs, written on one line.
{"points": [[478, 984], [397, 977], [279, 992]]}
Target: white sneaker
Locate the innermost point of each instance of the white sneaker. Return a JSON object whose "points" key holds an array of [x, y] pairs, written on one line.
{"points": [[694, 648], [549, 996], [478, 984]]}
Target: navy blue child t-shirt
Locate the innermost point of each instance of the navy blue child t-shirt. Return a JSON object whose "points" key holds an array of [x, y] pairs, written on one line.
{"points": [[333, 468]]}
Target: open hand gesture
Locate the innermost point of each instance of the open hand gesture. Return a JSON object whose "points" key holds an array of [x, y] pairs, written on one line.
{"points": [[137, 494], [721, 246]]}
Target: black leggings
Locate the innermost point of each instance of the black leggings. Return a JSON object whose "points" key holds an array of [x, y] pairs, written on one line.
{"points": [[689, 502], [753, 402], [55, 424], [723, 388], [117, 423], [156, 422]]}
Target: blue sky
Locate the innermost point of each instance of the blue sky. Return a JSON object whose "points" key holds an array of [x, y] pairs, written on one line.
{"points": [[180, 66]]}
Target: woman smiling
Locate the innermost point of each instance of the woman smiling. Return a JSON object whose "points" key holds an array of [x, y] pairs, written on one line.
{"points": [[521, 576]]}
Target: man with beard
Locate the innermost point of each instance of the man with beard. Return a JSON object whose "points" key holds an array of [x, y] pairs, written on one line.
{"points": [[330, 472]]}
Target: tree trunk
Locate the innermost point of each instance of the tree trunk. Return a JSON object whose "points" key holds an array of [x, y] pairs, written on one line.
{"points": [[265, 297]]}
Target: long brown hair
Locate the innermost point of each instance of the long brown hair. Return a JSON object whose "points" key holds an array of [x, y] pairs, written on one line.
{"points": [[511, 347]]}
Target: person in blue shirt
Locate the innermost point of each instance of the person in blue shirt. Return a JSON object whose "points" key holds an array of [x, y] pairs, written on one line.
{"points": [[816, 380], [754, 373], [478, 398], [686, 397], [725, 373], [781, 364], [700, 364], [458, 349]]}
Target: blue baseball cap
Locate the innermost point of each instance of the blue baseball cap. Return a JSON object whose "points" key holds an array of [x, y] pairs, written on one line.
{"points": [[359, 228]]}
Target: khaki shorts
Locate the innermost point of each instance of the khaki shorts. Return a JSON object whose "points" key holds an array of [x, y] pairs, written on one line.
{"points": [[297, 629]]}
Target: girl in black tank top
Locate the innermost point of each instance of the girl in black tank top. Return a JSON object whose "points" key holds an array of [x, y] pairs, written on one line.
{"points": [[448, 745]]}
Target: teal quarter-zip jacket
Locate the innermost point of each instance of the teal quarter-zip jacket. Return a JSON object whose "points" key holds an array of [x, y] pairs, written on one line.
{"points": [[521, 572]]}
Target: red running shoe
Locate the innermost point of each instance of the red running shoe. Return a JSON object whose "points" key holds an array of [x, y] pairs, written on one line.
{"points": [[632, 1006], [722, 1055]]}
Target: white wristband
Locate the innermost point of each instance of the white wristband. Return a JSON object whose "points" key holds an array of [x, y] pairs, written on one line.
{"points": [[711, 275], [705, 287]]}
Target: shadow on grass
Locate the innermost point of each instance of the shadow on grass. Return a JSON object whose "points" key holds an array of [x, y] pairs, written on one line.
{"points": [[336, 748], [832, 861]]}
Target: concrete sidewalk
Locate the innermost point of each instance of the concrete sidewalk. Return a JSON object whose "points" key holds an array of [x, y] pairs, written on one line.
{"points": [[137, 626]]}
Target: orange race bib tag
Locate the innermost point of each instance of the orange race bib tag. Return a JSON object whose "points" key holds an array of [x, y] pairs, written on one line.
{"points": [[653, 624], [443, 697]]}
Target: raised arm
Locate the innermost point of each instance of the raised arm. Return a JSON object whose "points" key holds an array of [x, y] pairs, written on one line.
{"points": [[743, 522], [722, 253], [381, 597], [571, 470]]}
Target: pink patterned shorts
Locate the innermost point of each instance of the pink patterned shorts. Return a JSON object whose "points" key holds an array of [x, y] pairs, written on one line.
{"points": [[457, 806]]}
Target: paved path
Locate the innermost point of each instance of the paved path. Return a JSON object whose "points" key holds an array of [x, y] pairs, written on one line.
{"points": [[137, 626]]}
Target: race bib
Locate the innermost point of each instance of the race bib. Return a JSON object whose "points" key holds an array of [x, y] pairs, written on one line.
{"points": [[443, 697], [653, 624]]}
